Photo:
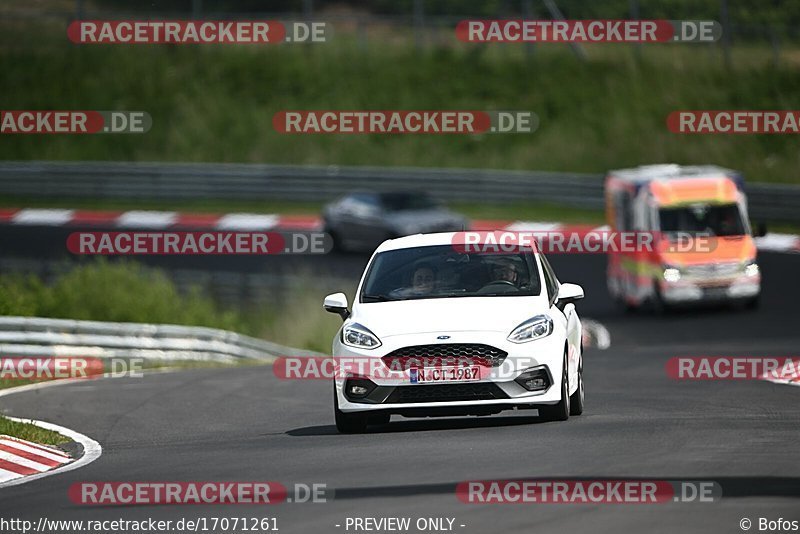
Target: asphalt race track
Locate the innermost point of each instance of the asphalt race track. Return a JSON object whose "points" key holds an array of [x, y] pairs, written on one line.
{"points": [[243, 424]]}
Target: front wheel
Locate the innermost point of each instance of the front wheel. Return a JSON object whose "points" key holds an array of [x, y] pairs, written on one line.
{"points": [[576, 399], [560, 411], [348, 423], [336, 239], [657, 304]]}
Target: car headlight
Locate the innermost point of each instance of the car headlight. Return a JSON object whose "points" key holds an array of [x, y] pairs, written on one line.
{"points": [[359, 336], [534, 328], [671, 274], [751, 269]]}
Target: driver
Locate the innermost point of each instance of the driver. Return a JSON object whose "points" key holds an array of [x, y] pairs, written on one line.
{"points": [[423, 280], [505, 271]]}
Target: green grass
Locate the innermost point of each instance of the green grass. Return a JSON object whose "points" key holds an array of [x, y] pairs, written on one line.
{"points": [[104, 291], [129, 292], [215, 103], [6, 383], [30, 432]]}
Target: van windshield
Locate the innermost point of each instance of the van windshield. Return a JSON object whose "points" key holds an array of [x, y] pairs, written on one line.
{"points": [[712, 219], [440, 271]]}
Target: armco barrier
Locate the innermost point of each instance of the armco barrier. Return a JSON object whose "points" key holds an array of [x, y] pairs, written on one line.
{"points": [[35, 336], [178, 181]]}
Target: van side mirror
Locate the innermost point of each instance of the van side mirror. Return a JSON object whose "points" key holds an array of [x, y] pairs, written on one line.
{"points": [[337, 303], [761, 230]]}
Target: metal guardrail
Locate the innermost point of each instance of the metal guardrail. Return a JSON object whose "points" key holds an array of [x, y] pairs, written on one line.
{"points": [[35, 336], [178, 181]]}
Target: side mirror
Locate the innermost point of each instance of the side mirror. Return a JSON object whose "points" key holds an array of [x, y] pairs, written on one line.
{"points": [[761, 230], [569, 293], [337, 303]]}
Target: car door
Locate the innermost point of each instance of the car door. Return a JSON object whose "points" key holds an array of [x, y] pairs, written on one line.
{"points": [[357, 215], [374, 230], [568, 317]]}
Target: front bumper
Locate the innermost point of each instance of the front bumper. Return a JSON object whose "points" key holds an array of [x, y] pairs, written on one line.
{"points": [[399, 391], [711, 290]]}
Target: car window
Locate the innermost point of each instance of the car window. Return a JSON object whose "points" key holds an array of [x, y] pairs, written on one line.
{"points": [[407, 201], [441, 271], [718, 220], [359, 203], [551, 282], [365, 199]]}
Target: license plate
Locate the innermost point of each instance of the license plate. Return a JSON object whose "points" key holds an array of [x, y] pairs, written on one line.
{"points": [[470, 373], [715, 292]]}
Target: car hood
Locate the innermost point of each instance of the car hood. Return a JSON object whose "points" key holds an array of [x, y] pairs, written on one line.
{"points": [[487, 314], [719, 250]]}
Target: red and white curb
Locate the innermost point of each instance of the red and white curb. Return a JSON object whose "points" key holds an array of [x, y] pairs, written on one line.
{"points": [[595, 335], [779, 243], [159, 220], [789, 376], [785, 381], [91, 452], [20, 458], [256, 222], [22, 461]]}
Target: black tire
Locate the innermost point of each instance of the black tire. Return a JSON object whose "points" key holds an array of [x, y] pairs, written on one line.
{"points": [[560, 411], [623, 306], [657, 304], [576, 400], [348, 423], [338, 246]]}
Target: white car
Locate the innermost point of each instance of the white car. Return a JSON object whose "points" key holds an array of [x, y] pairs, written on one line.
{"points": [[438, 330]]}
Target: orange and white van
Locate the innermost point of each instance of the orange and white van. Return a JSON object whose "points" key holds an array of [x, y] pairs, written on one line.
{"points": [[703, 248]]}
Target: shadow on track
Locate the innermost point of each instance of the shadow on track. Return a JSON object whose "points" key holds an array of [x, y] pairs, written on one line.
{"points": [[420, 425]]}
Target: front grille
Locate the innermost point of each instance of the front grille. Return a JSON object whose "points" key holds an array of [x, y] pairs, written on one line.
{"points": [[444, 354], [713, 270], [446, 393]]}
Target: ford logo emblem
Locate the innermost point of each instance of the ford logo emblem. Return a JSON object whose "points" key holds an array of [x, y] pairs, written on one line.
{"points": [[443, 337]]}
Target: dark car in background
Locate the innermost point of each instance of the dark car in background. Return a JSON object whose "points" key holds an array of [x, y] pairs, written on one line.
{"points": [[362, 220]]}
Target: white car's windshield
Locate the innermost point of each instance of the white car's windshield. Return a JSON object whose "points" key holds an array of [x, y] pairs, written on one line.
{"points": [[716, 220], [441, 271]]}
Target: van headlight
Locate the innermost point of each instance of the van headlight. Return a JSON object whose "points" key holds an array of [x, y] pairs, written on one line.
{"points": [[671, 274], [751, 269], [534, 328], [359, 336]]}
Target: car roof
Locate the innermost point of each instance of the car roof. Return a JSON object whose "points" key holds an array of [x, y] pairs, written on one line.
{"points": [[670, 171], [390, 192], [717, 190], [420, 240]]}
